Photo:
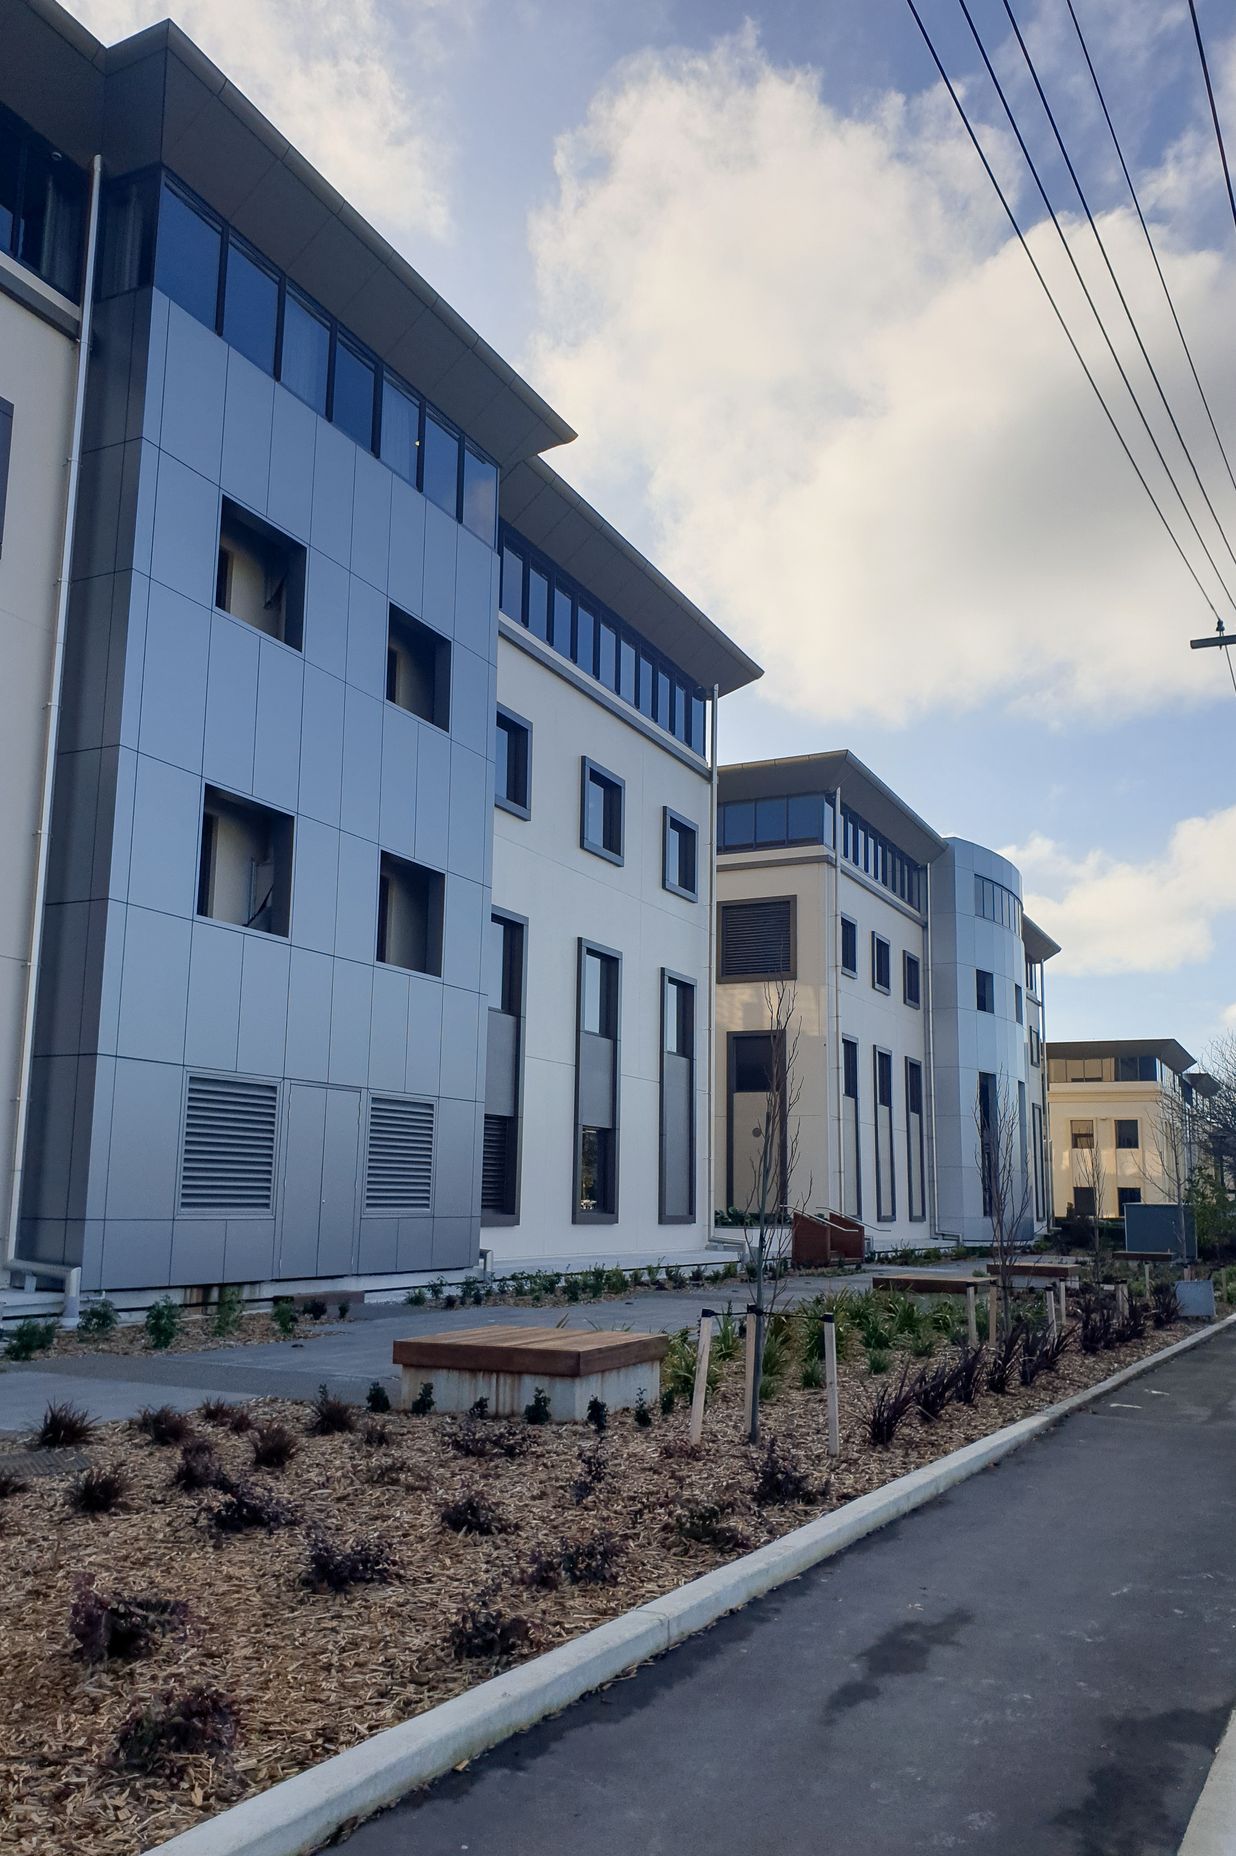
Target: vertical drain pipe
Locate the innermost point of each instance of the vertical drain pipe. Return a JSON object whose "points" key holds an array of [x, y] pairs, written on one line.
{"points": [[52, 738], [712, 967]]}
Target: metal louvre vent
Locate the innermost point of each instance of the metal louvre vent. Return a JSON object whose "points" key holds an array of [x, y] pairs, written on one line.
{"points": [[757, 940], [399, 1166], [496, 1164], [228, 1160]]}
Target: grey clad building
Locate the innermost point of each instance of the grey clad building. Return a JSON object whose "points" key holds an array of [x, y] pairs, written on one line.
{"points": [[247, 1000]]}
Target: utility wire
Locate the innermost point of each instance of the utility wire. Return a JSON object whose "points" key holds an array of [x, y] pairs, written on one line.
{"points": [[959, 106], [1214, 108], [1124, 166], [1094, 310], [1111, 272]]}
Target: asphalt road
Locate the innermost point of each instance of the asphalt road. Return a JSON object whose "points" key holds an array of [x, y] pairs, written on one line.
{"points": [[1039, 1664]]}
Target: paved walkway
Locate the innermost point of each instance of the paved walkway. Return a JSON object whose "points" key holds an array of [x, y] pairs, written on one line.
{"points": [[1040, 1664], [348, 1356]]}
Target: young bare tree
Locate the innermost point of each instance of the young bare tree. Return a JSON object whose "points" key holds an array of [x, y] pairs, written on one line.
{"points": [[1007, 1187], [772, 1199], [1166, 1160], [1090, 1173], [1216, 1114]]}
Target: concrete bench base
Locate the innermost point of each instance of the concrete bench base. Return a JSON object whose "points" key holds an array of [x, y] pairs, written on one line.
{"points": [[508, 1393]]}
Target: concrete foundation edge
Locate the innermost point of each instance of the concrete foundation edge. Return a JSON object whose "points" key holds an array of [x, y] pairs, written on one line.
{"points": [[302, 1813], [1212, 1827]]}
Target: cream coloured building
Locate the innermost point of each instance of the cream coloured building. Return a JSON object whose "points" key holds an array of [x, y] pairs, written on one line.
{"points": [[914, 987], [1123, 1127]]}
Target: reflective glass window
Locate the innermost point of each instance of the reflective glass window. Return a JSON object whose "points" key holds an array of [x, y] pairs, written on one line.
{"points": [[560, 636], [585, 640], [440, 480], [304, 360], [538, 603], [738, 824], [770, 821], [480, 495], [401, 429], [513, 585], [10, 182], [805, 817], [187, 257], [663, 698], [646, 685], [352, 401], [49, 233], [607, 655], [696, 724], [679, 721], [250, 307]]}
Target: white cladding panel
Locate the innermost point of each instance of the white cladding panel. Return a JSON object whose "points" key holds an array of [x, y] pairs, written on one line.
{"points": [[541, 872]]}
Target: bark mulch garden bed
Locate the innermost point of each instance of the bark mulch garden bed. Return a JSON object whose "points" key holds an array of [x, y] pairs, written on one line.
{"points": [[161, 1660]]}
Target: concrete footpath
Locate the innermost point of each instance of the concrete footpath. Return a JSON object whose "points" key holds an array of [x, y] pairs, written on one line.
{"points": [[1039, 1664], [347, 1356]]}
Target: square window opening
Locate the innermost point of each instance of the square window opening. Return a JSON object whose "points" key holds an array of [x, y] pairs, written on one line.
{"points": [[680, 856], [601, 823], [418, 669], [513, 765], [411, 906], [260, 576], [244, 864]]}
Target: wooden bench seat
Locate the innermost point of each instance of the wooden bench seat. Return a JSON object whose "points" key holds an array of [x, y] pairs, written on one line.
{"points": [[922, 1282], [506, 1365], [1045, 1272]]}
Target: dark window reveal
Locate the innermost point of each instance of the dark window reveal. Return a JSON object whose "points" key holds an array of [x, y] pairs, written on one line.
{"points": [[881, 964], [6, 447], [513, 764], [601, 830], [352, 401], [984, 991], [680, 854], [912, 976], [757, 940], [250, 307], [849, 945]]}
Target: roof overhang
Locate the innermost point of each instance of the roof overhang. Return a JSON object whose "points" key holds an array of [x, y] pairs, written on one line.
{"points": [[556, 519], [1039, 945], [1201, 1082], [1174, 1055], [861, 789], [157, 98]]}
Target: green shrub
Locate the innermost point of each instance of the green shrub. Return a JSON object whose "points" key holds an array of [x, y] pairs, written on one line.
{"points": [[726, 1338], [378, 1398], [98, 1317], [877, 1360], [163, 1319], [29, 1338], [416, 1298], [315, 1308], [343, 1310], [812, 1375], [437, 1288], [537, 1411], [572, 1288], [616, 1282], [227, 1310], [284, 1316], [642, 1412], [422, 1404], [667, 1401]]}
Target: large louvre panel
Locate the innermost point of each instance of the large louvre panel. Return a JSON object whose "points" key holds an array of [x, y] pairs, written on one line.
{"points": [[757, 939], [496, 1169], [228, 1160], [399, 1168]]}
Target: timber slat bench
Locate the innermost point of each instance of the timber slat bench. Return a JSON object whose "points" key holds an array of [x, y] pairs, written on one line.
{"points": [[507, 1364], [922, 1282], [1041, 1272]]}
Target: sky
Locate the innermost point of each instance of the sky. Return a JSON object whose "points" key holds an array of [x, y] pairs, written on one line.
{"points": [[750, 255]]}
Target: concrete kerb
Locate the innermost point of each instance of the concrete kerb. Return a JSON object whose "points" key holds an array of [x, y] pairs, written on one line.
{"points": [[302, 1813], [1212, 1827]]}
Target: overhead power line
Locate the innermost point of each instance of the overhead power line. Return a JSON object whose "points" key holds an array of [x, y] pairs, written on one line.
{"points": [[1011, 216], [1214, 108], [1116, 285], [1094, 309], [1150, 244]]}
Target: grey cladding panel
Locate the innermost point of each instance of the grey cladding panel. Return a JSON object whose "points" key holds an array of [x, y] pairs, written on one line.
{"points": [[596, 1081], [677, 1108], [502, 1064]]}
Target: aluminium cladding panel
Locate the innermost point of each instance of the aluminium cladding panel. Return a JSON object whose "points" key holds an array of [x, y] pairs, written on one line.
{"points": [[565, 894], [165, 694]]}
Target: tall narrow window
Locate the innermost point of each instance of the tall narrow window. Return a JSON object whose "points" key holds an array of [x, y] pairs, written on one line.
{"points": [[1036, 1155], [250, 306], [852, 1195], [440, 470], [881, 964], [352, 396], [756, 1120], [401, 429], [1019, 1005], [849, 945], [596, 1086], [512, 597], [504, 976], [187, 256], [6, 446], [989, 1136], [513, 764], [915, 1145], [601, 809], [304, 362], [678, 869], [886, 1178], [984, 991], [677, 1133], [912, 980], [480, 495]]}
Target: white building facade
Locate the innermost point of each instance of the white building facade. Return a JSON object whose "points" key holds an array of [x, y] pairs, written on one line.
{"points": [[905, 968]]}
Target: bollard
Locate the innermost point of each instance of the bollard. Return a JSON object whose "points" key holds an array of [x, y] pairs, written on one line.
{"points": [[700, 1391], [1064, 1304], [1049, 1307], [830, 1385], [993, 1313], [972, 1316], [1122, 1301]]}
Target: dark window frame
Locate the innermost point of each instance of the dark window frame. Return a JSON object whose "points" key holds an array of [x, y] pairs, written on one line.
{"points": [[878, 942], [591, 772], [850, 1066], [672, 821], [1123, 1144], [610, 1214], [879, 1054], [405, 631], [217, 801], [7, 411], [777, 1040], [494, 1219], [849, 966], [511, 724], [911, 963], [916, 1173], [984, 995], [435, 920], [669, 980]]}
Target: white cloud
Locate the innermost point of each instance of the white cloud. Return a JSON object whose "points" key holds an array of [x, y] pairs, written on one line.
{"points": [[810, 369], [1111, 916], [1228, 1016], [332, 76]]}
